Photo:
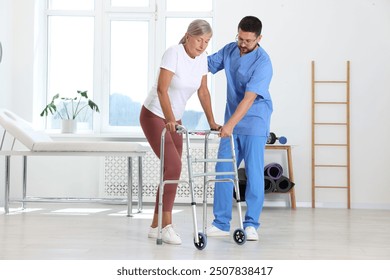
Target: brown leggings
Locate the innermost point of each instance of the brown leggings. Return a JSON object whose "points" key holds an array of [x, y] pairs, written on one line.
{"points": [[153, 125]]}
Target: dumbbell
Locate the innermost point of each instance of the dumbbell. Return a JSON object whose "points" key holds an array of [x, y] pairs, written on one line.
{"points": [[272, 139]]}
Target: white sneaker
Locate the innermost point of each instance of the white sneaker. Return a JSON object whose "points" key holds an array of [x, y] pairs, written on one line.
{"points": [[153, 232], [168, 235], [251, 234], [213, 231]]}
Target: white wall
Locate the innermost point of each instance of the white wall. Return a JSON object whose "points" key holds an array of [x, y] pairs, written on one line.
{"points": [[295, 32], [18, 57], [6, 40], [5, 66]]}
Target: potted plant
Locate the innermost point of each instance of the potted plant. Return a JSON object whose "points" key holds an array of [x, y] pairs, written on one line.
{"points": [[68, 109]]}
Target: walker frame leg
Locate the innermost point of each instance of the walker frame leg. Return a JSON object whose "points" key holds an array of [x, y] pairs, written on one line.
{"points": [[239, 234]]}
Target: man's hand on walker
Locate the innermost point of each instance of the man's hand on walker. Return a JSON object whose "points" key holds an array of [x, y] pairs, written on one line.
{"points": [[225, 131]]}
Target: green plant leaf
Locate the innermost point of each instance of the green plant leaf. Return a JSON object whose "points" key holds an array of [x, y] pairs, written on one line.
{"points": [[83, 94], [93, 106], [76, 108], [51, 107]]}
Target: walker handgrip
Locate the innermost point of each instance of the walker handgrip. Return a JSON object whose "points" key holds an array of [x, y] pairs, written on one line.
{"points": [[180, 129], [203, 132], [214, 131]]}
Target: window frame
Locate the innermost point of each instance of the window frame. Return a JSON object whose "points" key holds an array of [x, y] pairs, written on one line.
{"points": [[106, 68], [156, 14]]}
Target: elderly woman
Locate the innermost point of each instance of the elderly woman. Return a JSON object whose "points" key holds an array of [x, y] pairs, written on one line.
{"points": [[183, 71]]}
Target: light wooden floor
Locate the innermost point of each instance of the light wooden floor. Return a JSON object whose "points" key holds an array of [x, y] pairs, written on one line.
{"points": [[103, 232]]}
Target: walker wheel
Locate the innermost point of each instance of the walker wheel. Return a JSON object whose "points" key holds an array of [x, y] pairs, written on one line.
{"points": [[202, 241], [239, 236]]}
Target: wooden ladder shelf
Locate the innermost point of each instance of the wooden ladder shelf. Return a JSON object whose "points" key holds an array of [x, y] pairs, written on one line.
{"points": [[322, 142]]}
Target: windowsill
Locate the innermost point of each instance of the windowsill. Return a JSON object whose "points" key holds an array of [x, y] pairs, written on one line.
{"points": [[88, 135]]}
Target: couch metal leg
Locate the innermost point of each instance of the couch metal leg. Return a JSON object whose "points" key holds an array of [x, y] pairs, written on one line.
{"points": [[24, 181], [7, 184]]}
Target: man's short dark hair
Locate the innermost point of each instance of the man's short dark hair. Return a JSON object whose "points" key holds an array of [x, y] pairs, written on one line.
{"points": [[251, 24]]}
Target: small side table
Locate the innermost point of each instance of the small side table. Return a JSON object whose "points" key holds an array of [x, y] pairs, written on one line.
{"points": [[287, 148]]}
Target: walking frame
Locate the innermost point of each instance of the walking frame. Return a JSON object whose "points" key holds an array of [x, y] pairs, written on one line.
{"points": [[200, 238]]}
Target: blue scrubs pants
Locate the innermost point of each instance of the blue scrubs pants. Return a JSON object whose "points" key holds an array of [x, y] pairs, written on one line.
{"points": [[250, 149]]}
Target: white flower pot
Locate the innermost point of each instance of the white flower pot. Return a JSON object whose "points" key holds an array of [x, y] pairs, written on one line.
{"points": [[69, 126]]}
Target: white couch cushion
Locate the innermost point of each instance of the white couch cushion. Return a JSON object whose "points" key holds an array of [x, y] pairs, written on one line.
{"points": [[40, 142], [88, 146], [21, 129]]}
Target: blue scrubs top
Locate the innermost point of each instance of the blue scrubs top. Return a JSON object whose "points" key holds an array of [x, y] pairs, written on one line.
{"points": [[250, 72]]}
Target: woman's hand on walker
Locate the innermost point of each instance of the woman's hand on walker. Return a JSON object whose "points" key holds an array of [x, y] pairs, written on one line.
{"points": [[171, 126], [215, 127]]}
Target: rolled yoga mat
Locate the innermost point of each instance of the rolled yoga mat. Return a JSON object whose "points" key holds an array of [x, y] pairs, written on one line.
{"points": [[241, 184], [283, 184], [269, 184], [273, 170]]}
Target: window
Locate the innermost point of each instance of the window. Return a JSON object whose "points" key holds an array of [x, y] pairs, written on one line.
{"points": [[129, 58], [130, 3], [189, 5], [112, 49], [71, 5], [70, 67]]}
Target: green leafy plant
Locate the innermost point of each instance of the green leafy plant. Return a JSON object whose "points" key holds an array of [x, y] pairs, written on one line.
{"points": [[69, 107]]}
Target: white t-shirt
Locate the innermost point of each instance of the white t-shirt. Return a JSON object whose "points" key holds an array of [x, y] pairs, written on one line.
{"points": [[188, 73]]}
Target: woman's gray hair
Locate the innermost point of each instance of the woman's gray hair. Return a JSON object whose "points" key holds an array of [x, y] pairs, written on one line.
{"points": [[196, 28]]}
